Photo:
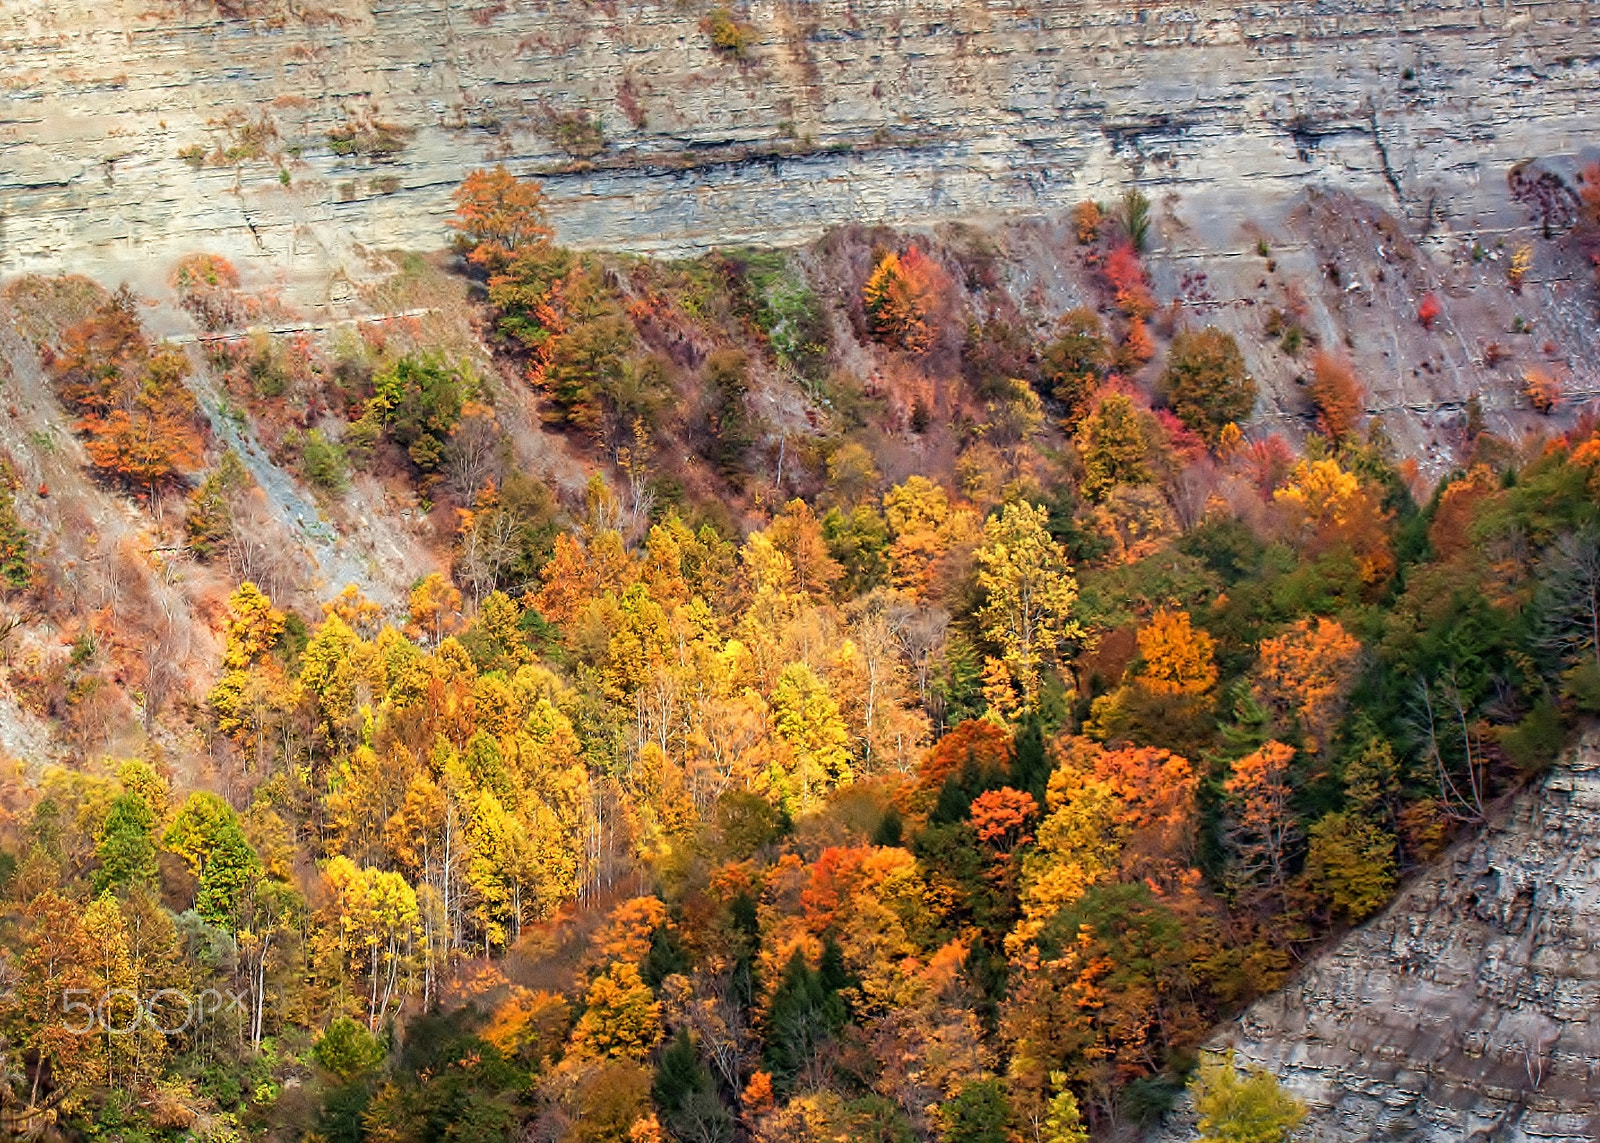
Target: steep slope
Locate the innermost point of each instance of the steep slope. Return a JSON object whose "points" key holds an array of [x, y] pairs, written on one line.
{"points": [[1468, 1009]]}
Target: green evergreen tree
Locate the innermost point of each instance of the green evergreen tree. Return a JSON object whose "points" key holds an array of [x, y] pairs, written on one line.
{"points": [[126, 848], [980, 1114], [806, 1013]]}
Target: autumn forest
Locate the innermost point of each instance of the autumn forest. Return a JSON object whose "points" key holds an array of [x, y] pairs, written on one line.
{"points": [[902, 715]]}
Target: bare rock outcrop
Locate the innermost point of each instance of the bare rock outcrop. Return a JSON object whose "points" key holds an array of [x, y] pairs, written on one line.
{"points": [[1470, 1009], [306, 133]]}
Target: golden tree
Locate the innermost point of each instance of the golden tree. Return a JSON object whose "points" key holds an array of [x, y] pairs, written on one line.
{"points": [[1029, 591]]}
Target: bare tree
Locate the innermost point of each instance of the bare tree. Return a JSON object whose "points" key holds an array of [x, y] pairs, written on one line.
{"points": [[475, 455], [1569, 598]]}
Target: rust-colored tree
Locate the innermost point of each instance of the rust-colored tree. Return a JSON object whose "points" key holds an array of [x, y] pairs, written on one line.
{"points": [[139, 420], [1336, 395], [901, 297], [497, 217], [1262, 826]]}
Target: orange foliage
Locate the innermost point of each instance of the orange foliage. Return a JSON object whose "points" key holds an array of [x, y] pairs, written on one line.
{"points": [[758, 1095], [976, 742], [1327, 507], [1337, 395], [1263, 824], [1137, 346], [1542, 388], [207, 286], [1155, 791], [1305, 675], [1428, 312], [1001, 818], [498, 214], [625, 939], [843, 879], [1449, 533], [901, 298], [1086, 218], [1126, 277], [577, 575], [797, 533], [139, 420]]}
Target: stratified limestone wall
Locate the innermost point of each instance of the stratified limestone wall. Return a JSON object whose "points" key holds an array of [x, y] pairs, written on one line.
{"points": [[841, 111], [1470, 1010]]}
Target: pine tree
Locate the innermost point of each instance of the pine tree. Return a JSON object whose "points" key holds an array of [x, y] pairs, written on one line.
{"points": [[126, 849]]}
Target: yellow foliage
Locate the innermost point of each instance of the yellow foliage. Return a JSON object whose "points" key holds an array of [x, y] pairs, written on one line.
{"points": [[1178, 659]]}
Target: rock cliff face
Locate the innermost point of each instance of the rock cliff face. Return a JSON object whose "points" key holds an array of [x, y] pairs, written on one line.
{"points": [[1469, 1010], [649, 138]]}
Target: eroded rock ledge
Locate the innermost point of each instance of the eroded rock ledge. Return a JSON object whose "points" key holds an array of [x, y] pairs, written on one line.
{"points": [[1470, 1009], [837, 111]]}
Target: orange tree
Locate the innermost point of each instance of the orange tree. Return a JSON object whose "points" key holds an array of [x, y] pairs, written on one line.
{"points": [[139, 420]]}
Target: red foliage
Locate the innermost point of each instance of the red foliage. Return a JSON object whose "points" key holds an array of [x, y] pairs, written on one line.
{"points": [[1125, 275], [1428, 312], [1180, 438], [1267, 462], [976, 742]]}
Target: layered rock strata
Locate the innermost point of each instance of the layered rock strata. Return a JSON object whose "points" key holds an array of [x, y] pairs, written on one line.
{"points": [[314, 130], [1470, 1009]]}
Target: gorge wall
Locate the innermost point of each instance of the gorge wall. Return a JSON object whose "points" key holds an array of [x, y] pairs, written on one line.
{"points": [[650, 139], [1470, 1009]]}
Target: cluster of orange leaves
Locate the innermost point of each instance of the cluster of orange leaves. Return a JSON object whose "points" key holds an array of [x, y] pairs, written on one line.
{"points": [[139, 420], [901, 298]]}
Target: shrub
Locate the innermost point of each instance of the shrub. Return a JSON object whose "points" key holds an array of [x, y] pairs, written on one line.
{"points": [[1336, 395], [16, 563], [207, 286], [1086, 218], [1205, 382], [1428, 312], [577, 133], [323, 462], [727, 35], [372, 138], [1542, 389], [419, 399]]}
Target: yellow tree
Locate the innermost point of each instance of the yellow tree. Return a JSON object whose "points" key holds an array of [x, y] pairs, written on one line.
{"points": [[1029, 592], [1304, 676], [922, 527], [809, 724], [435, 605], [253, 687], [621, 1018], [376, 914], [1178, 660]]}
